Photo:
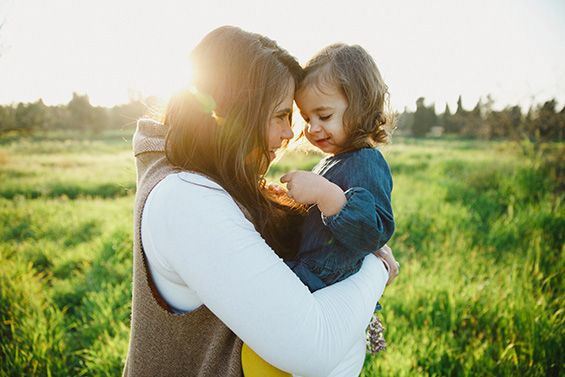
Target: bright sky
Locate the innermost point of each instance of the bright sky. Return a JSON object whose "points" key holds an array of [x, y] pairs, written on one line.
{"points": [[438, 49]]}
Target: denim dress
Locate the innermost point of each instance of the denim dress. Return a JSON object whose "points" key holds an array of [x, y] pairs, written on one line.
{"points": [[333, 247]]}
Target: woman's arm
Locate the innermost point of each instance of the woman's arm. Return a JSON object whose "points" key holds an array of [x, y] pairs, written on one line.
{"points": [[219, 254]]}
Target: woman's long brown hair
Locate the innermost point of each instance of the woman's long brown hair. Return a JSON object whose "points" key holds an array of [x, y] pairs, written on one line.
{"points": [[219, 127]]}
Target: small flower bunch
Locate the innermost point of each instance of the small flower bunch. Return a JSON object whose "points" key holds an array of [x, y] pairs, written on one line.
{"points": [[375, 335]]}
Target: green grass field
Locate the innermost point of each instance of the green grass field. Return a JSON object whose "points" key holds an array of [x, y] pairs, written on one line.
{"points": [[480, 236]]}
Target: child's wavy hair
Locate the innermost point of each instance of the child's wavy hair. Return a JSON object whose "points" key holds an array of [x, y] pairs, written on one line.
{"points": [[368, 121]]}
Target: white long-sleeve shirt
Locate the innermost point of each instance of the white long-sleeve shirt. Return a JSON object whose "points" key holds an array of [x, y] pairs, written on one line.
{"points": [[201, 249]]}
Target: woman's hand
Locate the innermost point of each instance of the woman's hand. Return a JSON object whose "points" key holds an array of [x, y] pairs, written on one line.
{"points": [[393, 267], [309, 188]]}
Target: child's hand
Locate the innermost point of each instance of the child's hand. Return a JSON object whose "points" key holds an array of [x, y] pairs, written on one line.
{"points": [[304, 186], [276, 189], [308, 188]]}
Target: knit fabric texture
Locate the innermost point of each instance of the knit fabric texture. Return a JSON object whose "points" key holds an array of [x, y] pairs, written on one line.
{"points": [[163, 343]]}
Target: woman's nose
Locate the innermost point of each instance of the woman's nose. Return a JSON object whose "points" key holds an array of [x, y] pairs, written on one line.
{"points": [[287, 131]]}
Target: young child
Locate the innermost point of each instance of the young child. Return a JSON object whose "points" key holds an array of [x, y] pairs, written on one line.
{"points": [[342, 99]]}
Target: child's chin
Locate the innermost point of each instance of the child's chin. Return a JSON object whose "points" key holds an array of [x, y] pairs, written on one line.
{"points": [[330, 148]]}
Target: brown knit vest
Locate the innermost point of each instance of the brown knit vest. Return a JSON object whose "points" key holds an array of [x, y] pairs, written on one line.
{"points": [[163, 343]]}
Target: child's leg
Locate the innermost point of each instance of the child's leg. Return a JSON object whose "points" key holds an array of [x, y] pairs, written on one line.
{"points": [[254, 366]]}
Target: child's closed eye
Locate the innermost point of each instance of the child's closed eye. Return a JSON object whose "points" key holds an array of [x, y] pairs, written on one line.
{"points": [[326, 117]]}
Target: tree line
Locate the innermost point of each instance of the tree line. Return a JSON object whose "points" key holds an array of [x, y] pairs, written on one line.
{"points": [[78, 114], [542, 122]]}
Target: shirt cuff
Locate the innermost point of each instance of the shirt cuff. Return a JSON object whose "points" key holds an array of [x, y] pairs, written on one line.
{"points": [[331, 220]]}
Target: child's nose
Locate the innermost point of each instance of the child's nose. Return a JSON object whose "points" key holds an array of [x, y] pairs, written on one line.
{"points": [[313, 127]]}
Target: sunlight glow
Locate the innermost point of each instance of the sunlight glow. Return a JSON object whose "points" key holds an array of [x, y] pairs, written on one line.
{"points": [[438, 50]]}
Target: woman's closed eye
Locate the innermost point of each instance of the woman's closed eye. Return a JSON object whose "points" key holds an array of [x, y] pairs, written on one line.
{"points": [[283, 116]]}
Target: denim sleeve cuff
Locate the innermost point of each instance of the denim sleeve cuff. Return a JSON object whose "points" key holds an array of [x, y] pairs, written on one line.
{"points": [[348, 207]]}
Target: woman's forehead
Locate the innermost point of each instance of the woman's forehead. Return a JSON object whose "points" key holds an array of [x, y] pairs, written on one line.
{"points": [[288, 97]]}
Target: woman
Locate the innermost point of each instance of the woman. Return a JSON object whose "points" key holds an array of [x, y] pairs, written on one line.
{"points": [[205, 273]]}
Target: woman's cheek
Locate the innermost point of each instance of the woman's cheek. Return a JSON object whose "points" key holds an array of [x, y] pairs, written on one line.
{"points": [[256, 156], [274, 133]]}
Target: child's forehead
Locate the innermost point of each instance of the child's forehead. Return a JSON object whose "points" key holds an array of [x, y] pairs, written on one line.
{"points": [[314, 92], [321, 77]]}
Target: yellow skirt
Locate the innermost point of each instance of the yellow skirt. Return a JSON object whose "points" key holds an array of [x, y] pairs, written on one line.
{"points": [[254, 366]]}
